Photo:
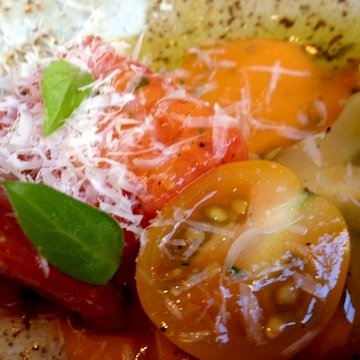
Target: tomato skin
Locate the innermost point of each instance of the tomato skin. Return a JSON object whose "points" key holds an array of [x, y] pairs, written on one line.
{"points": [[231, 298], [100, 306]]}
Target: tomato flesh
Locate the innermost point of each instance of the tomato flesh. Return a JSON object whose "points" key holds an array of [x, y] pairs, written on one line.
{"points": [[277, 90], [172, 138], [244, 262]]}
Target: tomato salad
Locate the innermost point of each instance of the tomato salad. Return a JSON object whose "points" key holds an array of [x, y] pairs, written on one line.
{"points": [[239, 255]]}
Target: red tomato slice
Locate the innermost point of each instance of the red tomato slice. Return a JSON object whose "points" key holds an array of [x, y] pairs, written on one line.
{"points": [[172, 138], [244, 263], [102, 306]]}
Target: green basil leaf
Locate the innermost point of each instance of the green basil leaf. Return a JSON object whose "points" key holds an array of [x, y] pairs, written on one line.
{"points": [[62, 92], [76, 238]]}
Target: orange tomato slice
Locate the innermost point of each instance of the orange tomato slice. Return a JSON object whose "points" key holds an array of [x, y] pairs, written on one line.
{"points": [[243, 264], [278, 92]]}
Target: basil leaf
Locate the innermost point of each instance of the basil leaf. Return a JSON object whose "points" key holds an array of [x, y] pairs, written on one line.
{"points": [[76, 238], [62, 93]]}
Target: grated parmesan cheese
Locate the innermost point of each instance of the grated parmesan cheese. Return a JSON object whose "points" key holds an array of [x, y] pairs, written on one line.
{"points": [[70, 159]]}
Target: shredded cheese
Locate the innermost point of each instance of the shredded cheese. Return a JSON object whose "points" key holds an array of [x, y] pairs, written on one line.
{"points": [[69, 160], [44, 265], [208, 273], [252, 314]]}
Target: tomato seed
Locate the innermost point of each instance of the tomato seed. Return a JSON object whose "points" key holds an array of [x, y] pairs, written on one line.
{"points": [[216, 213], [287, 295], [274, 328], [240, 206]]}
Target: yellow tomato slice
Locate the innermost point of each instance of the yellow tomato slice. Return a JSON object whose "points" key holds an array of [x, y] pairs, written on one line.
{"points": [[244, 263], [277, 90]]}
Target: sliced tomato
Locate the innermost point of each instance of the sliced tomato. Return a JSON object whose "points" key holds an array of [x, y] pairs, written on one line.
{"points": [[244, 263], [101, 306], [277, 90], [166, 138]]}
